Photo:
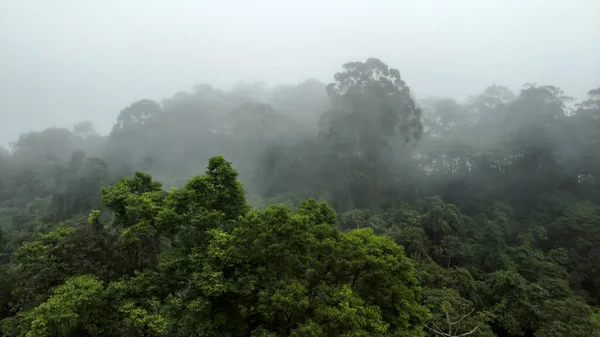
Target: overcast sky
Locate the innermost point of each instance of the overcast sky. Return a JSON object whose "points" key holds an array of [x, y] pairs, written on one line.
{"points": [[64, 61]]}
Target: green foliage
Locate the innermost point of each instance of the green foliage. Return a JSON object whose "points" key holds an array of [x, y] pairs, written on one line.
{"points": [[40, 268], [199, 251], [271, 272], [377, 214], [75, 308]]}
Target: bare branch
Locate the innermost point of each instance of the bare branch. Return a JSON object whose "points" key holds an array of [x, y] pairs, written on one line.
{"points": [[437, 327], [460, 320], [439, 332], [470, 332]]}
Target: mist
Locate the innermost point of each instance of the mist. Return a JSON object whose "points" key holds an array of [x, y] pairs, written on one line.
{"points": [[67, 61], [296, 168]]}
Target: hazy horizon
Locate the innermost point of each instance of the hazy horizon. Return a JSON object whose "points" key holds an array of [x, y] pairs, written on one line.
{"points": [[65, 61]]}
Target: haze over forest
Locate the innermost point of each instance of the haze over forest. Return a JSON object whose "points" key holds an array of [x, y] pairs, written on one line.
{"points": [[66, 61], [300, 169]]}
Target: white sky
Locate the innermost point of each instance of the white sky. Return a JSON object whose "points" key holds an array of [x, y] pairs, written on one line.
{"points": [[64, 61]]}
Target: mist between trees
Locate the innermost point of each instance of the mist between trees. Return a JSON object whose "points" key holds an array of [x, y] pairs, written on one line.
{"points": [[360, 210]]}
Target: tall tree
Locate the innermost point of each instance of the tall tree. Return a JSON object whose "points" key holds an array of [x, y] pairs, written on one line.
{"points": [[370, 105]]}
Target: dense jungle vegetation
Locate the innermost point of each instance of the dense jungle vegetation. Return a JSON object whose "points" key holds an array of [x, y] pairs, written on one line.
{"points": [[358, 210]]}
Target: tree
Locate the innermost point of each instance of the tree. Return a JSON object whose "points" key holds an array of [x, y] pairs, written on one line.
{"points": [[136, 203], [370, 105], [75, 308], [454, 316], [246, 272], [306, 101], [51, 143], [131, 138]]}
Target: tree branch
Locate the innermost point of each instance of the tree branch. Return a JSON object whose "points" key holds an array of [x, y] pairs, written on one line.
{"points": [[439, 332], [460, 320]]}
